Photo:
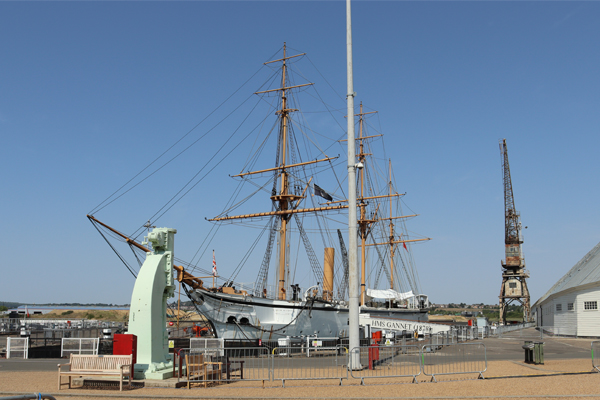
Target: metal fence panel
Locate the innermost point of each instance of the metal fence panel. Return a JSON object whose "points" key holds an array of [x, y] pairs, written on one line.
{"points": [[293, 363], [385, 362], [514, 330], [214, 344], [461, 358], [79, 346], [207, 366], [17, 347], [595, 350]]}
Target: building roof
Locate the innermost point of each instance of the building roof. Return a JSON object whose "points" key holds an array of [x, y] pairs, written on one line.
{"points": [[585, 272]]}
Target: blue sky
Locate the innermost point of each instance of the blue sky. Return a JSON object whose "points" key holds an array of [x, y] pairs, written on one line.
{"points": [[93, 91]]}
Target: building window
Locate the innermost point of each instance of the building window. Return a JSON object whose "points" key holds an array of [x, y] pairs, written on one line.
{"points": [[570, 307], [590, 305], [559, 307], [512, 285]]}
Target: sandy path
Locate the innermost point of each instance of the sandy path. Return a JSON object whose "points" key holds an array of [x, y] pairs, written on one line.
{"points": [[505, 379]]}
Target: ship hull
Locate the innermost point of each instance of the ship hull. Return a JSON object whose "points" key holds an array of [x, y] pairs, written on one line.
{"points": [[235, 316]]}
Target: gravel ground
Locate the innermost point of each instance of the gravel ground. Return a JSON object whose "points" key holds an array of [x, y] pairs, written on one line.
{"points": [[564, 378]]}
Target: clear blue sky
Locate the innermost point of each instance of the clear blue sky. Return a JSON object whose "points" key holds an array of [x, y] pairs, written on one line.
{"points": [[92, 91]]}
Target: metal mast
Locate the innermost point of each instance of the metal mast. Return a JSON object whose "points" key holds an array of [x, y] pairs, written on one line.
{"points": [[514, 276]]}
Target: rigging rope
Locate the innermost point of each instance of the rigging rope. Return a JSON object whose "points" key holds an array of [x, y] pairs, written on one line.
{"points": [[166, 209], [96, 209], [115, 250]]}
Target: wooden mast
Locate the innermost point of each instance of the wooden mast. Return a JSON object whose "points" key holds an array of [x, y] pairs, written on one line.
{"points": [[363, 222], [392, 245], [283, 193], [286, 201]]}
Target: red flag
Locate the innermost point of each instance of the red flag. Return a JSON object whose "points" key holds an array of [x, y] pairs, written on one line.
{"points": [[404, 244], [214, 265]]}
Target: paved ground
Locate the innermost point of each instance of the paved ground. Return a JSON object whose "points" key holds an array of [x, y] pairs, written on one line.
{"points": [[562, 379], [506, 348], [566, 374]]}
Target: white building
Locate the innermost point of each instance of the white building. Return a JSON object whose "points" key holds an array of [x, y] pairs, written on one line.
{"points": [[570, 307]]}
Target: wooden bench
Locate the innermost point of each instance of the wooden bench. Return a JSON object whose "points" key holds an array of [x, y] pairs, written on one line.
{"points": [[88, 365], [195, 366]]}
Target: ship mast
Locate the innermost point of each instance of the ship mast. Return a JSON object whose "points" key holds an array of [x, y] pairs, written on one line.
{"points": [[363, 223], [393, 240], [285, 201], [392, 245], [284, 197]]}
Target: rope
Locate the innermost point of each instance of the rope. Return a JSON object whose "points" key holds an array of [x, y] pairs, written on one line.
{"points": [[115, 250]]}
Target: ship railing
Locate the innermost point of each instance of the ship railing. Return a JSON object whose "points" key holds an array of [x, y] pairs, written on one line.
{"points": [[459, 358], [292, 363], [386, 361], [211, 366], [272, 290]]}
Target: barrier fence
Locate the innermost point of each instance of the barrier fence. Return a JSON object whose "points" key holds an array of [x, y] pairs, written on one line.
{"points": [[510, 330], [17, 347], [462, 358], [14, 325], [79, 346], [595, 350], [211, 365], [293, 363], [208, 344], [385, 362]]}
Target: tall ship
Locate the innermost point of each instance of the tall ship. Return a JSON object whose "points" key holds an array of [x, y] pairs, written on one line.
{"points": [[284, 307], [297, 201]]}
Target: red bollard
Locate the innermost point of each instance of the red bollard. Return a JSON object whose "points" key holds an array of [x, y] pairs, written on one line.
{"points": [[373, 355]]}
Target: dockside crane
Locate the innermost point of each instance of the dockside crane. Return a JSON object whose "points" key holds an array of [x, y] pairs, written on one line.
{"points": [[514, 276]]}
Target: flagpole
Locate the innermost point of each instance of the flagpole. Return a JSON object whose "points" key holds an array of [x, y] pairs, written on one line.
{"points": [[353, 290]]}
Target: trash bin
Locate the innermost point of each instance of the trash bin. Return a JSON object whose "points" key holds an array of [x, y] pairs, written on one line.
{"points": [[528, 347], [538, 352]]}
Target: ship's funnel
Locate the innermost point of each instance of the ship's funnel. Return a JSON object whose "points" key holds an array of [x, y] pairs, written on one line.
{"points": [[328, 274]]}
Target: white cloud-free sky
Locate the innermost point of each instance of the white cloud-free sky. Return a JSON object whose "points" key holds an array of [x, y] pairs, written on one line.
{"points": [[91, 92]]}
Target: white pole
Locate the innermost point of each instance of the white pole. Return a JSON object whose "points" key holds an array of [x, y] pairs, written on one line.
{"points": [[353, 280]]}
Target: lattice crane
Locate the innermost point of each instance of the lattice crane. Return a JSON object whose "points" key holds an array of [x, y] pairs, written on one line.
{"points": [[514, 276]]}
